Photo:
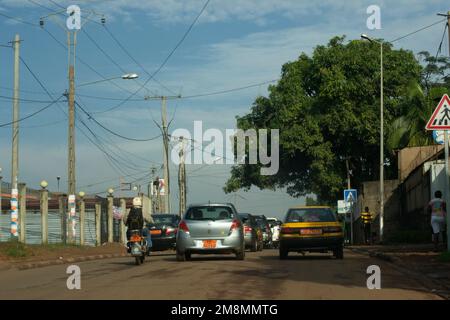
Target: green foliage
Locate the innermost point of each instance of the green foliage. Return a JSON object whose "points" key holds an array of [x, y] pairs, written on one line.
{"points": [[14, 249], [311, 202], [327, 108]]}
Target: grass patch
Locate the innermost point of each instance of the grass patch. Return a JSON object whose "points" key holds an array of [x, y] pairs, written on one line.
{"points": [[444, 257], [14, 249]]}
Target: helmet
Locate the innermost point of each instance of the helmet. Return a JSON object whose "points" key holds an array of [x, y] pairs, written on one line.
{"points": [[137, 202]]}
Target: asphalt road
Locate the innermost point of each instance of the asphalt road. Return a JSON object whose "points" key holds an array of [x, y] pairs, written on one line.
{"points": [[260, 276]]}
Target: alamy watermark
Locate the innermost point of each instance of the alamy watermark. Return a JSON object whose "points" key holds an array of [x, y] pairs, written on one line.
{"points": [[251, 146], [374, 20], [74, 280], [374, 280]]}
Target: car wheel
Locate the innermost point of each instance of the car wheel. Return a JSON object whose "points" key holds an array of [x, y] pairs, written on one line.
{"points": [[142, 258], [188, 256], [339, 253], [240, 255], [181, 256], [283, 253]]}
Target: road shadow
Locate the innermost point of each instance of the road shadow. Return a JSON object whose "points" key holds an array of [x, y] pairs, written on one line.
{"points": [[204, 258]]}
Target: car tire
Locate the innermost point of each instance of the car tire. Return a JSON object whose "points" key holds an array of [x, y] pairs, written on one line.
{"points": [[339, 253], [283, 253], [137, 261], [181, 256], [188, 256], [240, 255]]}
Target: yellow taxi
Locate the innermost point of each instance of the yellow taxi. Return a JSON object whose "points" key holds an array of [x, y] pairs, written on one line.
{"points": [[311, 229]]}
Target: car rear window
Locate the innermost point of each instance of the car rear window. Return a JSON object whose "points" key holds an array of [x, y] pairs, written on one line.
{"points": [[311, 215], [210, 213], [163, 220]]}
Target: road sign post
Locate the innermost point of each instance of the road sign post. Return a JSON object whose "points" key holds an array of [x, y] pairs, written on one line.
{"points": [[350, 197], [440, 120]]}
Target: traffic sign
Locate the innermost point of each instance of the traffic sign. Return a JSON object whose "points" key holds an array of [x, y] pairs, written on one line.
{"points": [[438, 136], [344, 207], [350, 196], [440, 119]]}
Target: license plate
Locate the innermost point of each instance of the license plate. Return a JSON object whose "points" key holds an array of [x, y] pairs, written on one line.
{"points": [[209, 244], [311, 232], [155, 232]]}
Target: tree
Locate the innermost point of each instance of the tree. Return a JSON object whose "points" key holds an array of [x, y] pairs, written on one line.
{"points": [[327, 110], [420, 101]]}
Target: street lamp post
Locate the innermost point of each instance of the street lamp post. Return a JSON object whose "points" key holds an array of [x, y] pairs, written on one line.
{"points": [[128, 76], [363, 36]]}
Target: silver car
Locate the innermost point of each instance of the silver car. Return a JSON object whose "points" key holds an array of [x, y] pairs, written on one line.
{"points": [[210, 229]]}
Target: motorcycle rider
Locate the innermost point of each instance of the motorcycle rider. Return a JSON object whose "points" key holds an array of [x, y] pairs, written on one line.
{"points": [[135, 221]]}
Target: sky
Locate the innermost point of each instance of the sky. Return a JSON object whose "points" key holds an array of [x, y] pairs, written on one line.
{"points": [[233, 44]]}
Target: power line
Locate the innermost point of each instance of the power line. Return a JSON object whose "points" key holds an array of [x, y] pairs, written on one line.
{"points": [[25, 100], [417, 31], [228, 90], [109, 130], [165, 60], [30, 115], [134, 60]]}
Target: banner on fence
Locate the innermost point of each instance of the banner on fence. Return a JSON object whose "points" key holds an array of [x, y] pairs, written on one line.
{"points": [[14, 212], [72, 213]]}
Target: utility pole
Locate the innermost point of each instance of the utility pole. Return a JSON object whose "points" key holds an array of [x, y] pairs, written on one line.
{"points": [[182, 177], [165, 135], [446, 142], [166, 154], [352, 207], [15, 125]]}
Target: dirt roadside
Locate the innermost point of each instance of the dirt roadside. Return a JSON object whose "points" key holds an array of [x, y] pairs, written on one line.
{"points": [[21, 256]]}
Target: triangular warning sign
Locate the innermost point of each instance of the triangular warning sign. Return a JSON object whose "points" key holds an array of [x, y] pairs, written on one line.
{"points": [[440, 120]]}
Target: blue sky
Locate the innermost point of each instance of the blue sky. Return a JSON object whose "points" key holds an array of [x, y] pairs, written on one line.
{"points": [[234, 44]]}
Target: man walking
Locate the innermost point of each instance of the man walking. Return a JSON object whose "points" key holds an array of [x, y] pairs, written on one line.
{"points": [[437, 208], [366, 218]]}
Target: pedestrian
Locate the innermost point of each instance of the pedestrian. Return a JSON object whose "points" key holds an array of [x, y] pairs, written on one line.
{"points": [[437, 209], [366, 219]]}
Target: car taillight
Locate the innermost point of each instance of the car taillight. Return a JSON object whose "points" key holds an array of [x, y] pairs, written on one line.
{"points": [[183, 226], [287, 230], [170, 230], [236, 224], [247, 229]]}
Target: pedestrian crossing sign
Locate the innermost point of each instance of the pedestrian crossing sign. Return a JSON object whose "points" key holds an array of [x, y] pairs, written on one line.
{"points": [[350, 196], [440, 119]]}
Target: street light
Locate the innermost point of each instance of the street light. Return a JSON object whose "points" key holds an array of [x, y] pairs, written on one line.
{"points": [[366, 37], [57, 179], [81, 194], [128, 76], [44, 184], [110, 191]]}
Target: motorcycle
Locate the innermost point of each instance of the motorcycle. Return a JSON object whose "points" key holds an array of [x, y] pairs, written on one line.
{"points": [[137, 246]]}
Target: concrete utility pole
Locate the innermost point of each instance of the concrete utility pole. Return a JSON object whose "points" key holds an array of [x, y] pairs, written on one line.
{"points": [[44, 213], [166, 154], [165, 134], [352, 207], [446, 142], [182, 177], [15, 125]]}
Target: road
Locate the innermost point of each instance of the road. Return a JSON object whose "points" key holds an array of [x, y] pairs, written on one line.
{"points": [[260, 276]]}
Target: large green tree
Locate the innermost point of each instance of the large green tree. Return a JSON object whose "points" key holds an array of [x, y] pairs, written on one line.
{"points": [[327, 107]]}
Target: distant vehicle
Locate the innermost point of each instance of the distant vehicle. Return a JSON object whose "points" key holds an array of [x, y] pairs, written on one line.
{"points": [[311, 229], [275, 226], [210, 229], [252, 232], [164, 231], [265, 227]]}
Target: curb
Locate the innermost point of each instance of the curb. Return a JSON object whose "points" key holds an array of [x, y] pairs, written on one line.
{"points": [[443, 292], [42, 264]]}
